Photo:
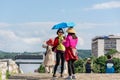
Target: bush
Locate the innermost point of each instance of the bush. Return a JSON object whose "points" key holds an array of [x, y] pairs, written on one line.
{"points": [[7, 74], [0, 75], [98, 65], [79, 66], [111, 52], [117, 64], [41, 69]]}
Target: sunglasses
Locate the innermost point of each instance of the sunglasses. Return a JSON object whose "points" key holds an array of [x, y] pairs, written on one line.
{"points": [[60, 32]]}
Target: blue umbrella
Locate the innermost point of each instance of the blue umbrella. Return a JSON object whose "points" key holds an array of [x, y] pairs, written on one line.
{"points": [[63, 25]]}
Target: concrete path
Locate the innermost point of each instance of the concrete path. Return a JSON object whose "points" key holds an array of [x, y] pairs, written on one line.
{"points": [[80, 76]]}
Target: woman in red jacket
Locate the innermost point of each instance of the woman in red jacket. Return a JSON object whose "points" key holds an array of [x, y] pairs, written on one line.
{"points": [[71, 52], [59, 49]]}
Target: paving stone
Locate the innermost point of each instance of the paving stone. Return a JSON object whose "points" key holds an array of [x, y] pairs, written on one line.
{"points": [[80, 76]]}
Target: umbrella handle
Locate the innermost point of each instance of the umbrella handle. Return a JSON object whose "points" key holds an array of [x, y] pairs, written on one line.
{"points": [[64, 32]]}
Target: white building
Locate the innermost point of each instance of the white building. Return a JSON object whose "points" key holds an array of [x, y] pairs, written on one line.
{"points": [[102, 44]]}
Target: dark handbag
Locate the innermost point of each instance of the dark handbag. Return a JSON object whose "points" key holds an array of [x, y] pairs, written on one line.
{"points": [[46, 51], [54, 48]]}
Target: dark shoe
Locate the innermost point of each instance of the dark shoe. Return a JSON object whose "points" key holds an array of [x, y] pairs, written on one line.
{"points": [[54, 76], [61, 76]]}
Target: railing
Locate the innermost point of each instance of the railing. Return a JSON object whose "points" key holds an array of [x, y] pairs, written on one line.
{"points": [[29, 57]]}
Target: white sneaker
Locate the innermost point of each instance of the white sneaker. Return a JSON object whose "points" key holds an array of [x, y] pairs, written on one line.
{"points": [[68, 78], [73, 77]]}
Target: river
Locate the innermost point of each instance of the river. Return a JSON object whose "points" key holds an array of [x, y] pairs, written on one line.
{"points": [[29, 68]]}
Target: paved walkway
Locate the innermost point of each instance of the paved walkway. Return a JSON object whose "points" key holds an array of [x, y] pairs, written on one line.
{"points": [[80, 76]]}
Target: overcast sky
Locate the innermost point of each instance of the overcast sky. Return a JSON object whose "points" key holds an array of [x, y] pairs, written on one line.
{"points": [[25, 24]]}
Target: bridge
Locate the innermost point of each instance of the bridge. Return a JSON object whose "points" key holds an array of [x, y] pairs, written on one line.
{"points": [[23, 59], [29, 62], [22, 56], [29, 59]]}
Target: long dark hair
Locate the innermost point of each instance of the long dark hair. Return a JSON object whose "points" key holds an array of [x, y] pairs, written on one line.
{"points": [[73, 35]]}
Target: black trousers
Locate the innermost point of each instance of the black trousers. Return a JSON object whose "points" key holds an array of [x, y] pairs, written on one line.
{"points": [[71, 67], [59, 56], [88, 70]]}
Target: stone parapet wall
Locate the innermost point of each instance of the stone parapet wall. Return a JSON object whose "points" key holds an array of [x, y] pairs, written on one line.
{"points": [[8, 65], [3, 69], [13, 68]]}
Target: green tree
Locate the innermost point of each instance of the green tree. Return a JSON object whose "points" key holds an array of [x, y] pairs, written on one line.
{"points": [[117, 64], [99, 64], [111, 52], [79, 66]]}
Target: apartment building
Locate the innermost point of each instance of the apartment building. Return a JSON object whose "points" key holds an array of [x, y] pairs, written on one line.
{"points": [[102, 44]]}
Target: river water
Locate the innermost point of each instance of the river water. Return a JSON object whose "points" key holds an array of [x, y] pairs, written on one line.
{"points": [[29, 68]]}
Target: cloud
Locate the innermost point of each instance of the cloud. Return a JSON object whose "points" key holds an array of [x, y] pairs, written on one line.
{"points": [[9, 41], [32, 40], [11, 36], [118, 34], [29, 36], [86, 25], [81, 41], [42, 27], [7, 35], [4, 24], [106, 5], [37, 24]]}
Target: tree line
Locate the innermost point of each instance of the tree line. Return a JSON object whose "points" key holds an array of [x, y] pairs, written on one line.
{"points": [[98, 64]]}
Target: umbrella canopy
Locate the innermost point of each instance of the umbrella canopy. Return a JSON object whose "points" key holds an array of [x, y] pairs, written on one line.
{"points": [[63, 25]]}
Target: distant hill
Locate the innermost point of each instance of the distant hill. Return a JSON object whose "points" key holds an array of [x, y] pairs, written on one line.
{"points": [[84, 53], [2, 51], [11, 55]]}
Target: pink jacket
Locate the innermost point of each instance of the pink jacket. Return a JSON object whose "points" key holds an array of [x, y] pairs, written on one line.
{"points": [[70, 42]]}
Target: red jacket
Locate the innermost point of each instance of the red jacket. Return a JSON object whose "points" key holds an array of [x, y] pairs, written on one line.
{"points": [[56, 41]]}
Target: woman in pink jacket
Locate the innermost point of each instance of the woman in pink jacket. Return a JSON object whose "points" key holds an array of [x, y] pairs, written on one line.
{"points": [[71, 52]]}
